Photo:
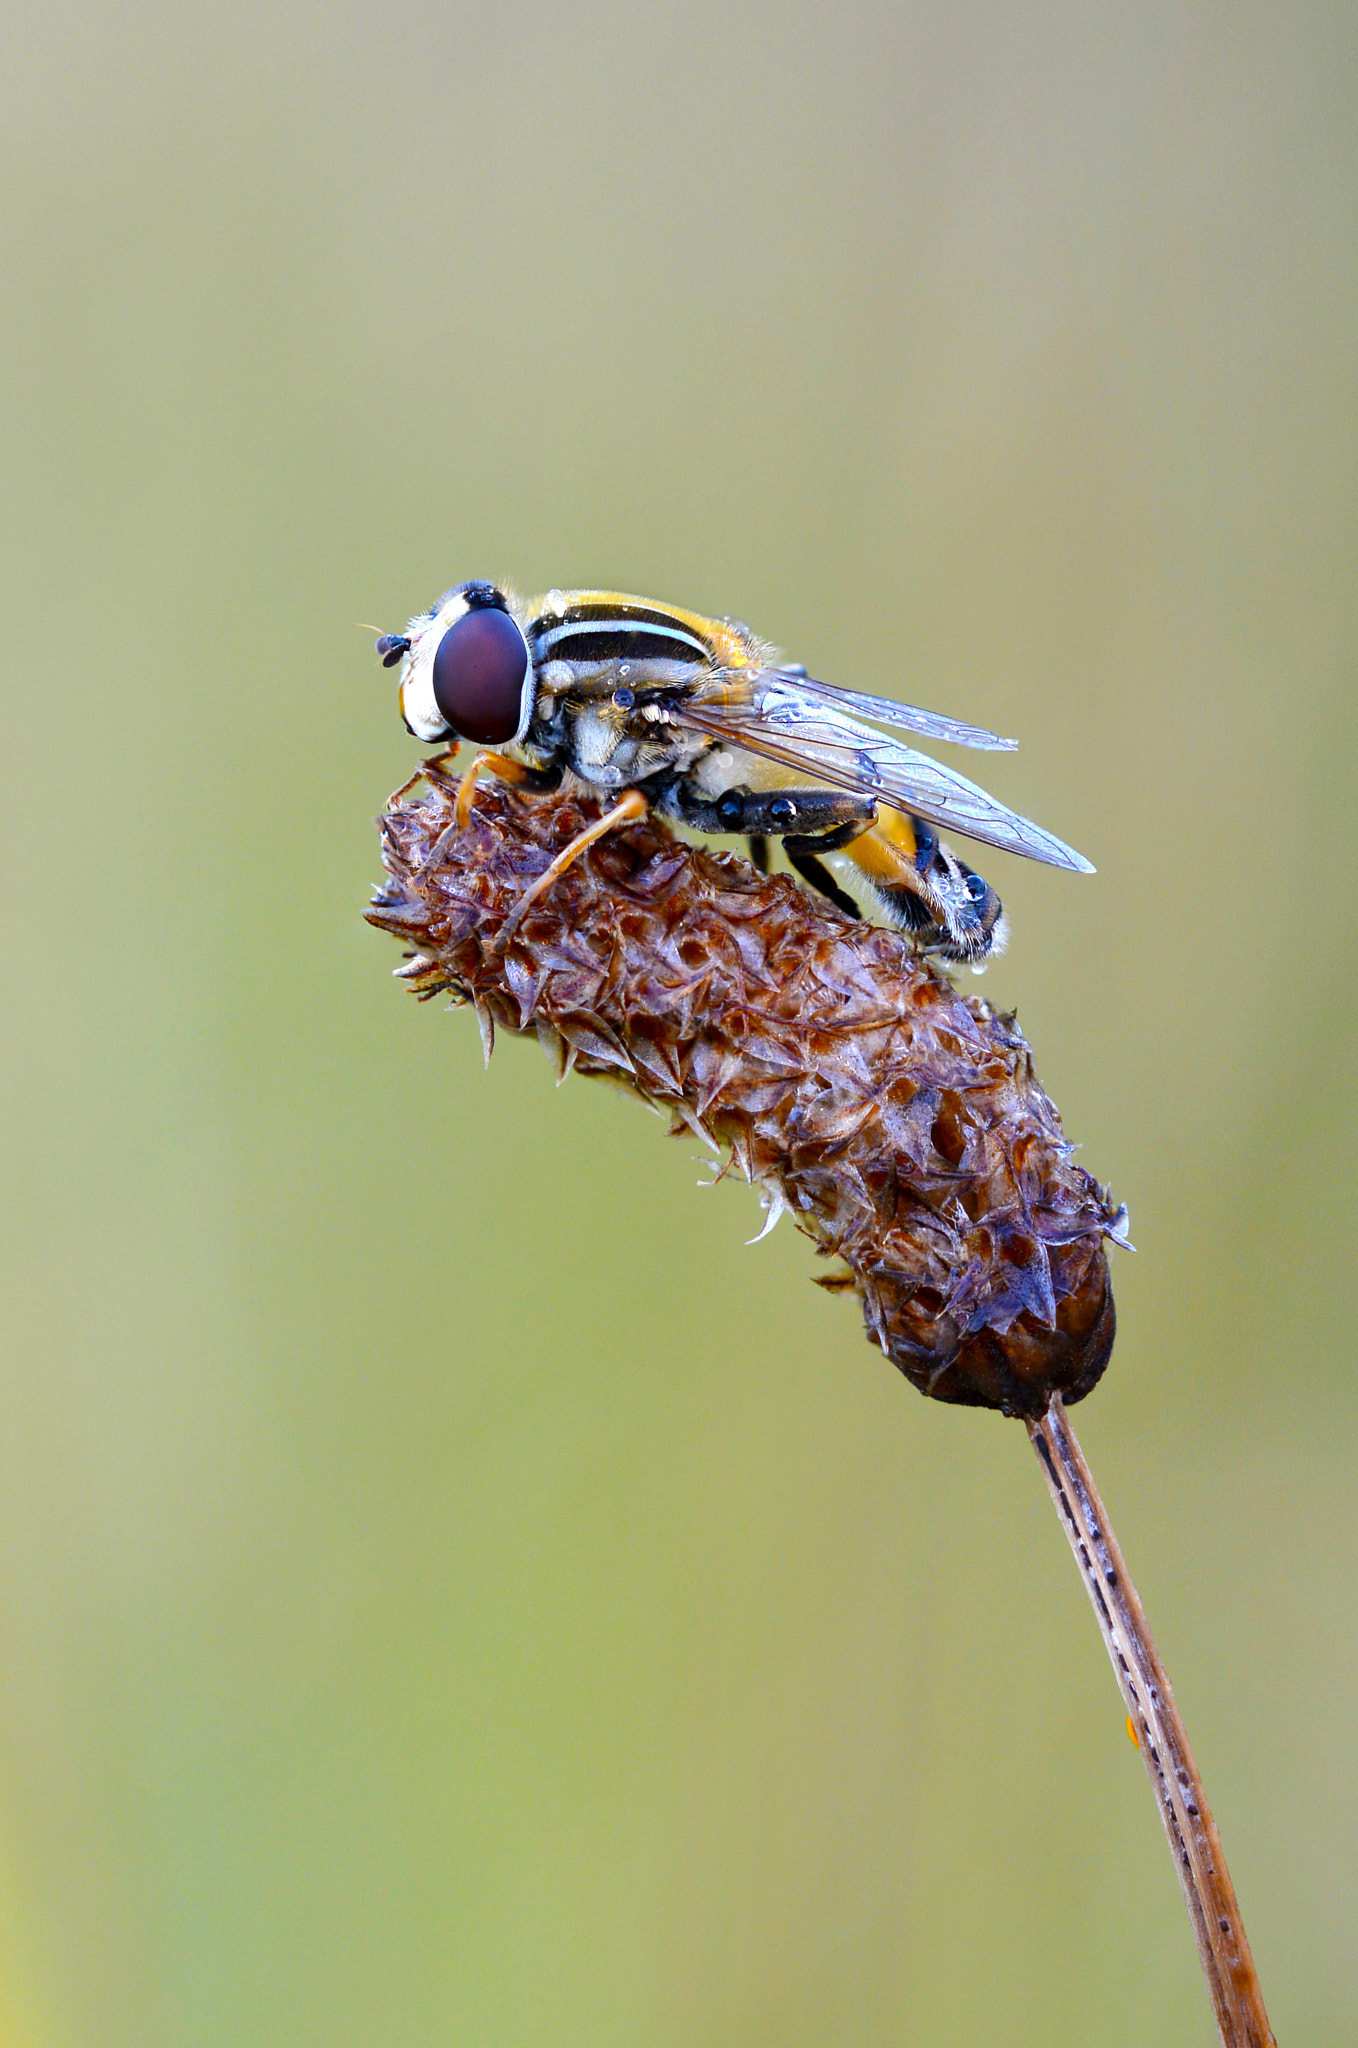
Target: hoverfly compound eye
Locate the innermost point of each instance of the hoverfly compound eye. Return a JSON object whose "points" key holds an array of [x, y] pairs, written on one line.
{"points": [[480, 677]]}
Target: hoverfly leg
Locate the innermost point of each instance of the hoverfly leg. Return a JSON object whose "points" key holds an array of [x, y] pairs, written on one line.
{"points": [[487, 762], [822, 816], [823, 842], [803, 852], [824, 819], [818, 877], [436, 761], [628, 811]]}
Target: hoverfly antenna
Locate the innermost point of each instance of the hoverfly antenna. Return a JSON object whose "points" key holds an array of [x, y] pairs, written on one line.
{"points": [[390, 647]]}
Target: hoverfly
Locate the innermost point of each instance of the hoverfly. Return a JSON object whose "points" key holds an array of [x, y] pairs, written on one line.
{"points": [[698, 720]]}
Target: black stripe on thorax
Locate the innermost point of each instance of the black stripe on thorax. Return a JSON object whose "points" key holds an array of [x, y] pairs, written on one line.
{"points": [[590, 633]]}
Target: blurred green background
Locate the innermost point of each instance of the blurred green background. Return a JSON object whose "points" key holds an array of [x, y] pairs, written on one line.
{"points": [[451, 1590]]}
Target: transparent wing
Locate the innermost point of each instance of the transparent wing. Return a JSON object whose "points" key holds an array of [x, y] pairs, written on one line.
{"points": [[905, 717], [784, 723]]}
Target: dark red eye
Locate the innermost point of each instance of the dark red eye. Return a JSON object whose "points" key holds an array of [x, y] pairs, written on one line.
{"points": [[479, 673]]}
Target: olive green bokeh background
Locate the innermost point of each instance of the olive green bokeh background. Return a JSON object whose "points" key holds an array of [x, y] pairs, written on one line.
{"points": [[451, 1591]]}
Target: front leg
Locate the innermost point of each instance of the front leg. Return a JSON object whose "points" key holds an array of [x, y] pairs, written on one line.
{"points": [[627, 811], [488, 762], [540, 780], [438, 762]]}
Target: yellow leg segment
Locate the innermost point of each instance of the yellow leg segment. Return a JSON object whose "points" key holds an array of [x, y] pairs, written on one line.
{"points": [[435, 761], [487, 762], [628, 811]]}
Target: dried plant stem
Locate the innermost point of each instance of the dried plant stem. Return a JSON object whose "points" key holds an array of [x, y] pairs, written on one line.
{"points": [[1208, 1892]]}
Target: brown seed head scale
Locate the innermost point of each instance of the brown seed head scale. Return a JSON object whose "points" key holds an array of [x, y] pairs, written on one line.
{"points": [[899, 1122]]}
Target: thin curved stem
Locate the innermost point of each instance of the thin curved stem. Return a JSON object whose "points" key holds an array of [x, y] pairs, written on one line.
{"points": [[1208, 1892]]}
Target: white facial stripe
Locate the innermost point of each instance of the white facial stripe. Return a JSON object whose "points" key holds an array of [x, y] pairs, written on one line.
{"points": [[418, 706]]}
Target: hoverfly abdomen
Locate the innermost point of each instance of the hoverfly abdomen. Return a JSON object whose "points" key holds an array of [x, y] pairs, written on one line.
{"points": [[922, 887], [975, 927]]}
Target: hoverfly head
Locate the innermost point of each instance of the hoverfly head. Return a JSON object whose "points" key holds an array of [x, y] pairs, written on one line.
{"points": [[468, 674]]}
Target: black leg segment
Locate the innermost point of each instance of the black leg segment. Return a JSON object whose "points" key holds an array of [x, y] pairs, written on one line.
{"points": [[818, 876], [762, 813]]}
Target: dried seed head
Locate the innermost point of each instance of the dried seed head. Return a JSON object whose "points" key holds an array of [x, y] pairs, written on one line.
{"points": [[900, 1123]]}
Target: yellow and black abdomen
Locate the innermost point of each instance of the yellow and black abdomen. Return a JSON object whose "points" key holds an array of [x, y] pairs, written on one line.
{"points": [[960, 916]]}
